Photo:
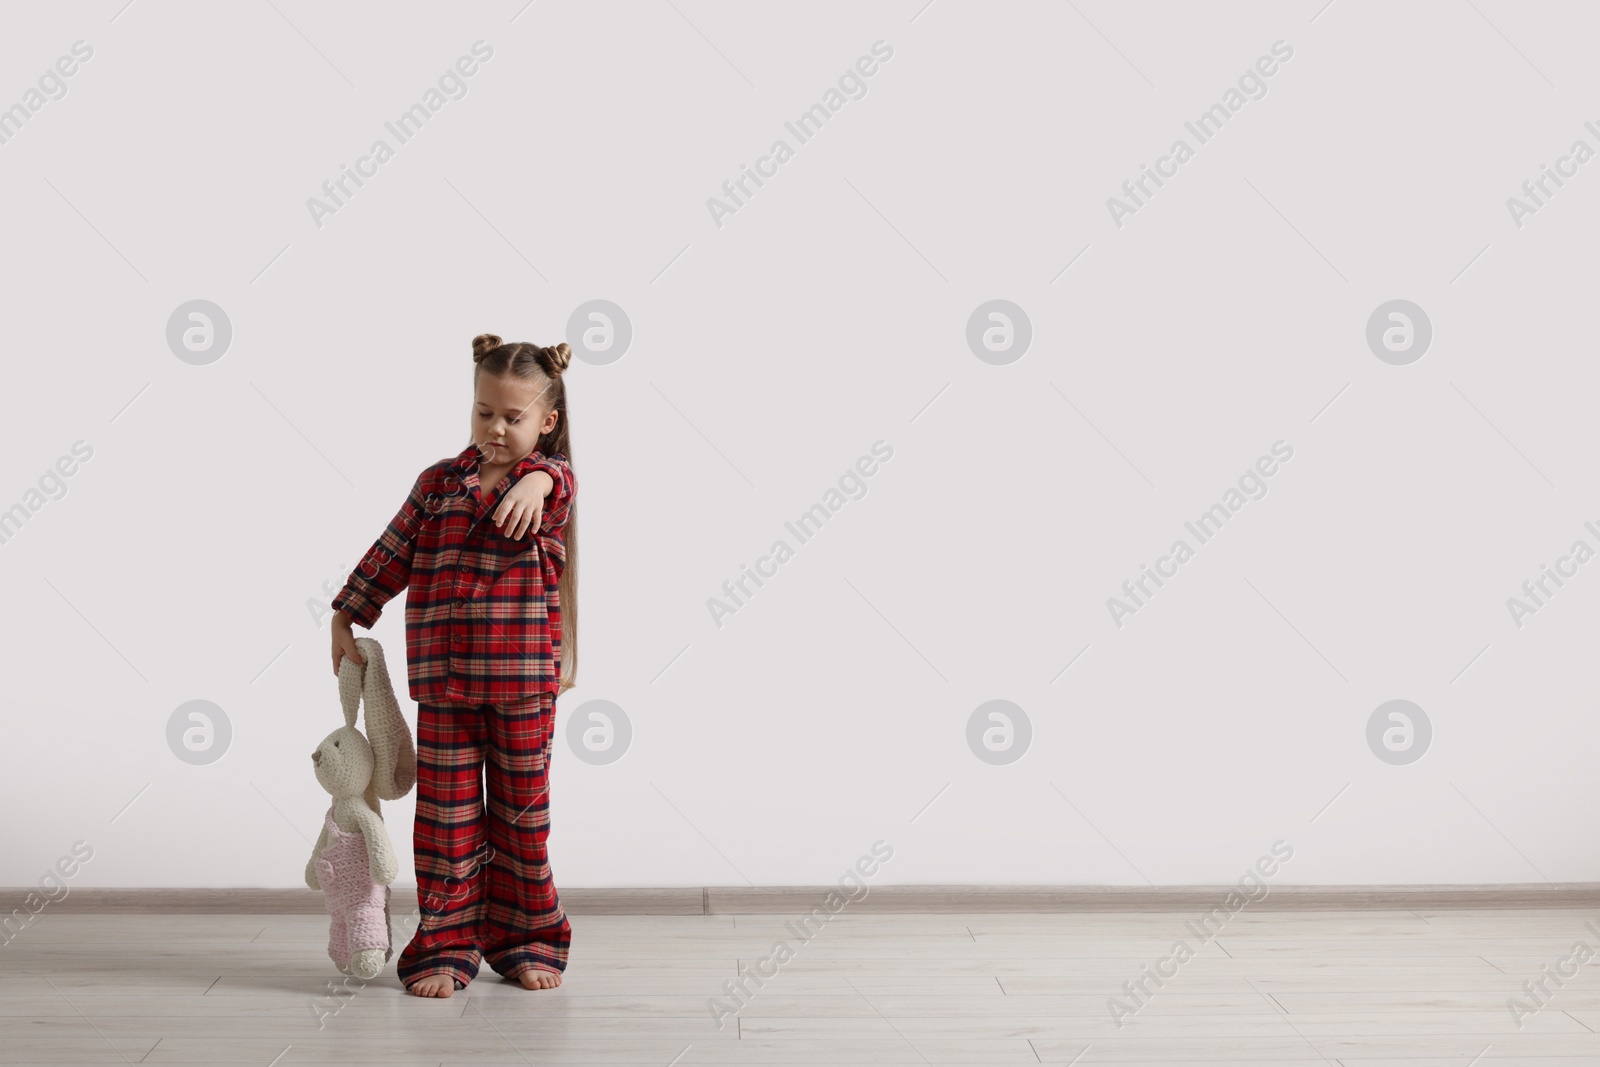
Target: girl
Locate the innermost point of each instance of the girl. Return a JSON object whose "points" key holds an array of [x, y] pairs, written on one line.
{"points": [[491, 642]]}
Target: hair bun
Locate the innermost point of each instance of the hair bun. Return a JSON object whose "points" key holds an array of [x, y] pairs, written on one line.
{"points": [[560, 356], [483, 344]]}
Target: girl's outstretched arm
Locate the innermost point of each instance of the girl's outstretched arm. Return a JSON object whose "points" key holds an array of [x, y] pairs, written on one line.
{"points": [[344, 641], [386, 567]]}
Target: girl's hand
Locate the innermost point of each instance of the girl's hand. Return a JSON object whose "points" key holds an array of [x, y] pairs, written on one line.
{"points": [[523, 504], [344, 641]]}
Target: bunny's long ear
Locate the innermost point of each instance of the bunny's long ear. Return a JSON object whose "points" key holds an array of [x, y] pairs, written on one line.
{"points": [[394, 757], [350, 685]]}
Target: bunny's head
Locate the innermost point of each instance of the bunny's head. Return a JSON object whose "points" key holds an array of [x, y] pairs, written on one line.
{"points": [[382, 765], [344, 762]]}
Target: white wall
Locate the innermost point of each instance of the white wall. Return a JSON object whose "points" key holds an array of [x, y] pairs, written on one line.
{"points": [[767, 356]]}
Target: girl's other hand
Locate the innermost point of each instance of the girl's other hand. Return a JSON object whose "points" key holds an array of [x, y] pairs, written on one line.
{"points": [[344, 641], [520, 509]]}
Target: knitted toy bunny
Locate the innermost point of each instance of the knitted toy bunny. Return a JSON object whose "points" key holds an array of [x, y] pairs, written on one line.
{"points": [[353, 861]]}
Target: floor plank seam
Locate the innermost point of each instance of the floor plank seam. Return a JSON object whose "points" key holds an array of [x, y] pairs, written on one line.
{"points": [[1285, 1017]]}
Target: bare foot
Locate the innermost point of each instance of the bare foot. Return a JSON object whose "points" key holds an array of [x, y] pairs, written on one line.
{"points": [[536, 979], [434, 985]]}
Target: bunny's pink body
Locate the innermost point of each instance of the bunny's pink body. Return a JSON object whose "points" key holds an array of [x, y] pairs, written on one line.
{"points": [[359, 906]]}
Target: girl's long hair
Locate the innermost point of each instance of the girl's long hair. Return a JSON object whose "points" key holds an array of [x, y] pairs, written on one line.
{"points": [[544, 366]]}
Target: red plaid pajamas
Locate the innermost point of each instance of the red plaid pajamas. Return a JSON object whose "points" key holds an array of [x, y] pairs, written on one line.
{"points": [[484, 895], [483, 614], [483, 657]]}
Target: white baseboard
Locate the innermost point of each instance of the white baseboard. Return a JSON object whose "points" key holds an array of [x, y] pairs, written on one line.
{"points": [[745, 900]]}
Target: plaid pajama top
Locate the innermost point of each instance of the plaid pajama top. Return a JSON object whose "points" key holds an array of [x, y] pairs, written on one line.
{"points": [[483, 615]]}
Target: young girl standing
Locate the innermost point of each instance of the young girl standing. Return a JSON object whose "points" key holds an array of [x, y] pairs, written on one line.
{"points": [[491, 641]]}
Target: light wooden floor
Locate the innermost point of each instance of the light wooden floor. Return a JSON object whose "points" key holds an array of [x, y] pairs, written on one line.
{"points": [[1369, 988]]}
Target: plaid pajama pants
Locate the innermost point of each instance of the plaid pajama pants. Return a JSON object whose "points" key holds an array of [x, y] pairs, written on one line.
{"points": [[483, 879]]}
